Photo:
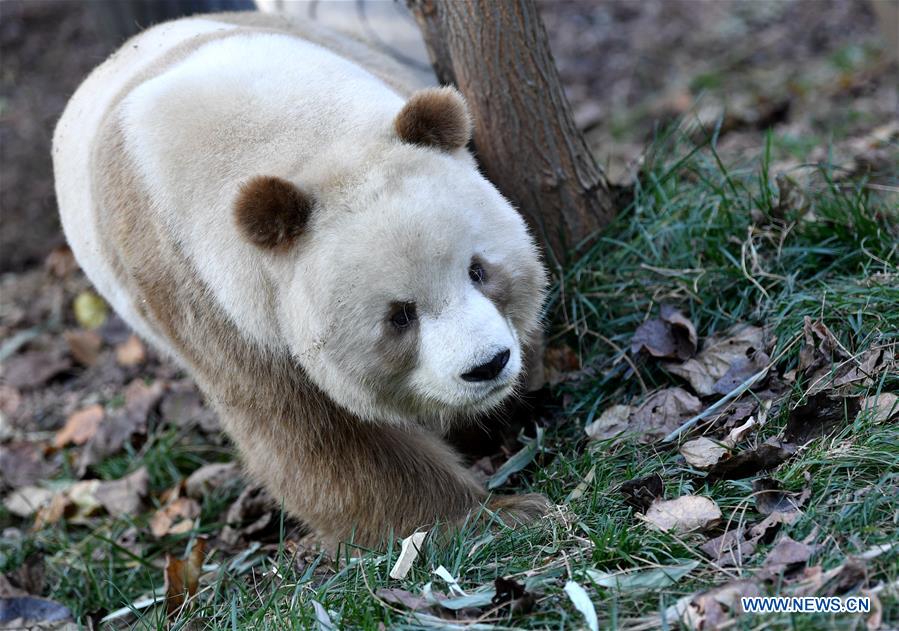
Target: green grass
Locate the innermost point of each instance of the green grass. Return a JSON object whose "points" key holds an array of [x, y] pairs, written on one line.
{"points": [[688, 239]]}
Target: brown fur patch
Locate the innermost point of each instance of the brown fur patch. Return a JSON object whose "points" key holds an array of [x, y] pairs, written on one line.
{"points": [[436, 117], [271, 212]]}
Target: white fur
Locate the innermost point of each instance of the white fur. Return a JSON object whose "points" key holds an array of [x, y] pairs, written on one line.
{"points": [[392, 221]]}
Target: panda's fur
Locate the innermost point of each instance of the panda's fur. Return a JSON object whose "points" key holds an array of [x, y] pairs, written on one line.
{"points": [[264, 201]]}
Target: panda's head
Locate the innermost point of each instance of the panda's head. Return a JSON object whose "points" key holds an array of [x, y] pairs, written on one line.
{"points": [[410, 293]]}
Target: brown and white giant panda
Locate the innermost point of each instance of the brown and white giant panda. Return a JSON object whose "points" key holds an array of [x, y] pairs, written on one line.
{"points": [[277, 208]]}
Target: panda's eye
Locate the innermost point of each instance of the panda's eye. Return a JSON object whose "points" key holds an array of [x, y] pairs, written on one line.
{"points": [[477, 273], [403, 314]]}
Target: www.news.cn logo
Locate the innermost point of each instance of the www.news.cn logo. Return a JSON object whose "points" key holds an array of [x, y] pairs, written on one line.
{"points": [[805, 604]]}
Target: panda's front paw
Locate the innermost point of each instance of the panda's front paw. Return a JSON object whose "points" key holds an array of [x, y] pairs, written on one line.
{"points": [[517, 510]]}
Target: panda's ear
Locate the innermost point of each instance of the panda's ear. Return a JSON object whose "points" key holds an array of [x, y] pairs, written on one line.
{"points": [[271, 212], [435, 117]]}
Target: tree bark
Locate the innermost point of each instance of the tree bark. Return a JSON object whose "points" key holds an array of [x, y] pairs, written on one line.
{"points": [[497, 53]]}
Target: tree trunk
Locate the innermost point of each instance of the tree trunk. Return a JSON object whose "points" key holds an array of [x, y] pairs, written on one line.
{"points": [[497, 53]]}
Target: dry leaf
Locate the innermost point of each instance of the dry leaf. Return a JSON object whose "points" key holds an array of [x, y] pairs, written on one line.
{"points": [[84, 346], [124, 496], [409, 549], [718, 355], [182, 576], [131, 352], [818, 417], [183, 406], [90, 310], [61, 262], [22, 464], [640, 493], [880, 408], [34, 368], [730, 549], [77, 503], [712, 609], [558, 363], [771, 498], [702, 452], [611, 422], [396, 596], [737, 434], [684, 514], [80, 427], [27, 500], [211, 477], [783, 556], [662, 413], [671, 336], [123, 424], [251, 513], [768, 455], [10, 399], [176, 517]]}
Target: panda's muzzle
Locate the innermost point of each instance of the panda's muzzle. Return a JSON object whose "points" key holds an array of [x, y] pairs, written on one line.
{"points": [[490, 370]]}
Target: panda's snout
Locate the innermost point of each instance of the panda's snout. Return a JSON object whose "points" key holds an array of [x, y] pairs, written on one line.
{"points": [[489, 370]]}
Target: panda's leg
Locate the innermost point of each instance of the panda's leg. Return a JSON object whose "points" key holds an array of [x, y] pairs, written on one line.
{"points": [[366, 482]]}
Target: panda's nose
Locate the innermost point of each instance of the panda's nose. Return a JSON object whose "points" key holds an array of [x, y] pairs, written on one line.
{"points": [[490, 370]]}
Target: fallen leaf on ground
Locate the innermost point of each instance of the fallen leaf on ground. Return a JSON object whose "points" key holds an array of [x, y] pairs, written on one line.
{"points": [[80, 427], [880, 408], [662, 413], [409, 549], [250, 514], [123, 424], [84, 346], [558, 363], [182, 576], [581, 601], [582, 486], [819, 349], [27, 500], [513, 593], [640, 493], [865, 368], [718, 355], [702, 452], [76, 503], [131, 352], [31, 612], [784, 556], [766, 456], [176, 517], [396, 596], [10, 399], [124, 496], [210, 477], [712, 609], [771, 498], [741, 370], [61, 262], [183, 406], [34, 368], [23, 464], [90, 310], [671, 336], [643, 579], [683, 514], [612, 422], [818, 417], [730, 549]]}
